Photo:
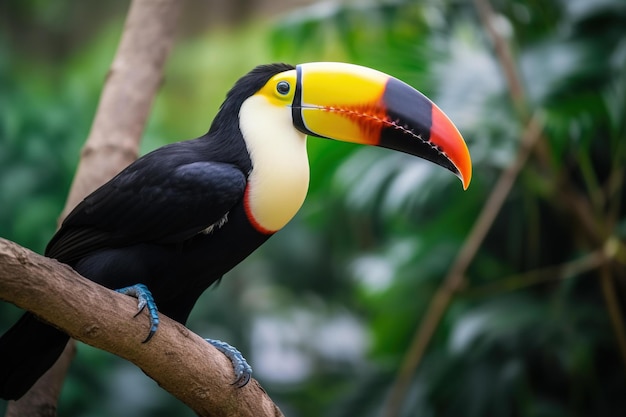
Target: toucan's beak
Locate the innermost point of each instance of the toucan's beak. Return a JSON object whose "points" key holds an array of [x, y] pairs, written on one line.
{"points": [[357, 104]]}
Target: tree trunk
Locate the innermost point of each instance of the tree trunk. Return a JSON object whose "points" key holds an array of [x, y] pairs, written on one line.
{"points": [[113, 143]]}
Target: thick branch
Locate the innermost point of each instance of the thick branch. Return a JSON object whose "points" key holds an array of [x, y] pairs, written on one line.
{"points": [[180, 361], [113, 143], [131, 85]]}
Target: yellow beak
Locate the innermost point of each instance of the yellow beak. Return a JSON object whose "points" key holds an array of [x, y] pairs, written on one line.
{"points": [[357, 104]]}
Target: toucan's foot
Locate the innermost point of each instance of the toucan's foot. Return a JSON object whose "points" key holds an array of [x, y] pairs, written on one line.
{"points": [[243, 371], [144, 297]]}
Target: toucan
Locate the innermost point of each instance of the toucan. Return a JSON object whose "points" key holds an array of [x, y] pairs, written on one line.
{"points": [[177, 219]]}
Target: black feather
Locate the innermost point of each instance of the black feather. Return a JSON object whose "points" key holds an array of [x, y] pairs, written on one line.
{"points": [[148, 225]]}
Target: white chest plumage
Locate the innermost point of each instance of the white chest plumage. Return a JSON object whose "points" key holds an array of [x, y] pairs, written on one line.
{"points": [[279, 180]]}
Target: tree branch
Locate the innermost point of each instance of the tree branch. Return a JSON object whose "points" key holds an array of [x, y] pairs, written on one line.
{"points": [[453, 280], [113, 143], [177, 359], [131, 85], [575, 205]]}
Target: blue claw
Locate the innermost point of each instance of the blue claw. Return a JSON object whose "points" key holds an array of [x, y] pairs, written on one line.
{"points": [[144, 297], [243, 371]]}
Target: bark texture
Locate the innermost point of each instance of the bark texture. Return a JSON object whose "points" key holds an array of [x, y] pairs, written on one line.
{"points": [[113, 143], [99, 316], [177, 359]]}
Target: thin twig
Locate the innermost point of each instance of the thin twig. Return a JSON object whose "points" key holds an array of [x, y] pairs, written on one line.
{"points": [[596, 230], [567, 270], [505, 56], [454, 279]]}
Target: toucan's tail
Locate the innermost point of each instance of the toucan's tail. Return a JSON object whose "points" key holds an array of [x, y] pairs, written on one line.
{"points": [[27, 351]]}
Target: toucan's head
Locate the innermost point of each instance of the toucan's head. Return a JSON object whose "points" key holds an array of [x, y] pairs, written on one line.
{"points": [[356, 104]]}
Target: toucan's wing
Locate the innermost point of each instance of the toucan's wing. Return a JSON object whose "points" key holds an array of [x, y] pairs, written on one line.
{"points": [[165, 197]]}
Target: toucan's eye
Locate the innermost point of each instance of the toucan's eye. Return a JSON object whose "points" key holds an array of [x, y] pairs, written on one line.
{"points": [[283, 88]]}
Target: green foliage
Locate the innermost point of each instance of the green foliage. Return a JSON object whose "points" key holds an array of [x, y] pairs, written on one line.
{"points": [[509, 344], [328, 308]]}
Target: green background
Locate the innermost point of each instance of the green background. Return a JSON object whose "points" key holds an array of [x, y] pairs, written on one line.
{"points": [[327, 309]]}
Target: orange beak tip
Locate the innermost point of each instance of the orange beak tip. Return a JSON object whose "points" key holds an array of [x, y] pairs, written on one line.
{"points": [[465, 182], [445, 134], [465, 168]]}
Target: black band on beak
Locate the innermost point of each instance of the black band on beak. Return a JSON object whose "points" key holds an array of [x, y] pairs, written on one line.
{"points": [[411, 115]]}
